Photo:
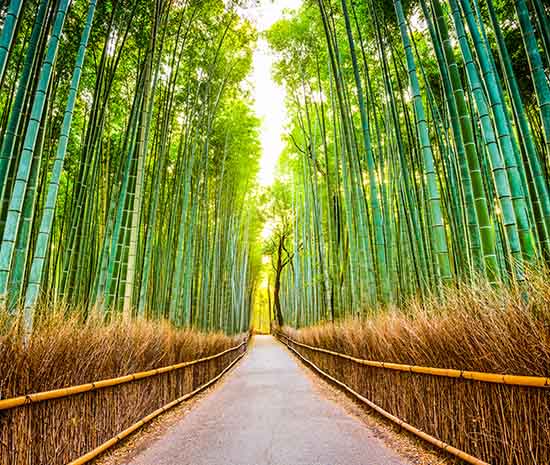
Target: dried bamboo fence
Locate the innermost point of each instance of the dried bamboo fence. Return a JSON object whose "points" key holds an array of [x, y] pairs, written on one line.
{"points": [[63, 425], [479, 417]]}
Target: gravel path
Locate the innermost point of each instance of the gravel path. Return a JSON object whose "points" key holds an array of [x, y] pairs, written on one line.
{"points": [[268, 413]]}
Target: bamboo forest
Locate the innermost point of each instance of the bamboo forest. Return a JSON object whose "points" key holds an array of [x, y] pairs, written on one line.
{"points": [[184, 183]]}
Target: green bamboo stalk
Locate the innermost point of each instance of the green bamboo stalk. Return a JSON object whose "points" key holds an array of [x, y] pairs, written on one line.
{"points": [[541, 187], [379, 234], [540, 80], [48, 215], [18, 194], [504, 137], [8, 34], [487, 233], [438, 227], [8, 142]]}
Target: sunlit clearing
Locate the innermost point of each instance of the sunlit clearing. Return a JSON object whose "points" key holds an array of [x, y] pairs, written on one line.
{"points": [[268, 230], [269, 97]]}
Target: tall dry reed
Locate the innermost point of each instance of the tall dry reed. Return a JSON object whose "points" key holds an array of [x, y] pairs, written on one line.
{"points": [[64, 352], [476, 328]]}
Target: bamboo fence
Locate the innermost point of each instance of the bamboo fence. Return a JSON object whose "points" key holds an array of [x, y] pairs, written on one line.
{"points": [[479, 417], [77, 423]]}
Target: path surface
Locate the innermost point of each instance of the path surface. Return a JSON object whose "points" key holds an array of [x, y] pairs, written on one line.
{"points": [[267, 412]]}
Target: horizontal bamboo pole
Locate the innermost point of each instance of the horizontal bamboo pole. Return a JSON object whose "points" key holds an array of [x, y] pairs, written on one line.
{"points": [[7, 404], [411, 429], [119, 437], [512, 380]]}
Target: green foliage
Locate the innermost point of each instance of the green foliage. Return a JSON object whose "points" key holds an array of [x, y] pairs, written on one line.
{"points": [[148, 206], [412, 161]]}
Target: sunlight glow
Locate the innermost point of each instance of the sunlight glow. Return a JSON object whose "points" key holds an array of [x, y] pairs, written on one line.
{"points": [[268, 230], [269, 97], [111, 45]]}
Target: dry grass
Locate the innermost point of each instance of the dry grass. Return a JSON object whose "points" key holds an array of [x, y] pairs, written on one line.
{"points": [[474, 328], [64, 352]]}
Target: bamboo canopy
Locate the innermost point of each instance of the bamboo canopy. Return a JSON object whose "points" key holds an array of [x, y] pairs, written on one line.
{"points": [[416, 159], [417, 150], [127, 189]]}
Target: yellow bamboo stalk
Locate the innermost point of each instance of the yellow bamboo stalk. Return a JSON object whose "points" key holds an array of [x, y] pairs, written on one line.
{"points": [[7, 404], [512, 380], [417, 432], [119, 437]]}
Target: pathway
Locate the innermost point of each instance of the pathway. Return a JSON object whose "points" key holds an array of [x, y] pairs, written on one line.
{"points": [[267, 412]]}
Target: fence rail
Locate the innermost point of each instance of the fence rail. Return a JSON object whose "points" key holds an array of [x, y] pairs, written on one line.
{"points": [[54, 427], [512, 380], [13, 402], [488, 418], [124, 434]]}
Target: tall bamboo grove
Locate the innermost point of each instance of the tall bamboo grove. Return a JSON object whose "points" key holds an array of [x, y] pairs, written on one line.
{"points": [[418, 150], [128, 154]]}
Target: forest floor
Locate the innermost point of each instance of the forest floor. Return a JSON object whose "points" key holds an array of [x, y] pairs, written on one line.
{"points": [[271, 410]]}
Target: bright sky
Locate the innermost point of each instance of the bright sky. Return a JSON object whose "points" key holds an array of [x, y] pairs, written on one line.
{"points": [[269, 97]]}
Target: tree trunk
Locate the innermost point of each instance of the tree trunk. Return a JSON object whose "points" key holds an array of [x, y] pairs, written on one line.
{"points": [[277, 284]]}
